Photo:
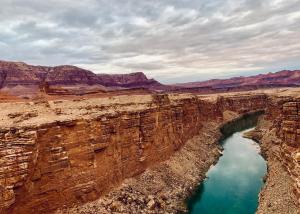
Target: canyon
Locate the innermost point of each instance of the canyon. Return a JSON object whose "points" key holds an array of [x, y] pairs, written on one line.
{"points": [[138, 153], [149, 107], [279, 127]]}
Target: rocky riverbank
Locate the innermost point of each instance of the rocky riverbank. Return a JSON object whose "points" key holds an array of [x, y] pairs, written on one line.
{"points": [[91, 146], [138, 154], [277, 196], [165, 187], [162, 188]]}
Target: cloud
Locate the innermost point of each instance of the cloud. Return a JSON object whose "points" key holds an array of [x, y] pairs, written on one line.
{"points": [[171, 40]]}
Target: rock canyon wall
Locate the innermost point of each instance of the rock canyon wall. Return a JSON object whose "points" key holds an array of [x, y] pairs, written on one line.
{"points": [[48, 164], [288, 132], [61, 153], [278, 133]]}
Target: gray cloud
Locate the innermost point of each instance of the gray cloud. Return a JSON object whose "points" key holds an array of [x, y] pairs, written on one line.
{"points": [[171, 40]]}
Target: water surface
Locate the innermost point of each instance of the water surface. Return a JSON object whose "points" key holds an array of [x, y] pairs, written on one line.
{"points": [[233, 184]]}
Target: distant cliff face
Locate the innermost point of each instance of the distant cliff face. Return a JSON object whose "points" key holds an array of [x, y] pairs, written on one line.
{"points": [[127, 80], [69, 75], [16, 73], [281, 78]]}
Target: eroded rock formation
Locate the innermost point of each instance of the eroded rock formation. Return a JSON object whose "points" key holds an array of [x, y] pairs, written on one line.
{"points": [[78, 153], [280, 78], [278, 133], [18, 73]]}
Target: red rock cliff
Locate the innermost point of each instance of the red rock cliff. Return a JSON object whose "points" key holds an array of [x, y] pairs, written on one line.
{"points": [[289, 132], [19, 73], [46, 166]]}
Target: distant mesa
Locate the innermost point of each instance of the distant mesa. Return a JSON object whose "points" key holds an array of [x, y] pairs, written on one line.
{"points": [[19, 73], [19, 78], [283, 78]]}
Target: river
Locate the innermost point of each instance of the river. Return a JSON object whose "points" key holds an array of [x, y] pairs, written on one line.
{"points": [[233, 184]]}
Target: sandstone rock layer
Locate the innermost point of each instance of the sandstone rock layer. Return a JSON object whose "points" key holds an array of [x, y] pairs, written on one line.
{"points": [[56, 163]]}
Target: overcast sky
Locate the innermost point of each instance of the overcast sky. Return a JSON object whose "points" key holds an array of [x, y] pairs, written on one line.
{"points": [[170, 40]]}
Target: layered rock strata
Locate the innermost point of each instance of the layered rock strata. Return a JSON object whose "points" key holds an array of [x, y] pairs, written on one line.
{"points": [[21, 74], [58, 153], [165, 187], [289, 133], [278, 134]]}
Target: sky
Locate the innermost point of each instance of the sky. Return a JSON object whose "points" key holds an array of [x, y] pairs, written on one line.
{"points": [[169, 40]]}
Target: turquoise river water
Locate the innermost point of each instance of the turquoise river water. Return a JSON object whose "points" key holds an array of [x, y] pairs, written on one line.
{"points": [[233, 184]]}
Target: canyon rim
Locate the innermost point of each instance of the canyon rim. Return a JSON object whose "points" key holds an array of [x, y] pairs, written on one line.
{"points": [[149, 107], [139, 153]]}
